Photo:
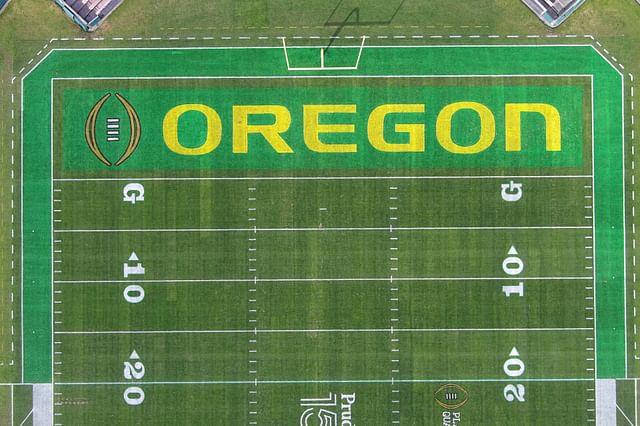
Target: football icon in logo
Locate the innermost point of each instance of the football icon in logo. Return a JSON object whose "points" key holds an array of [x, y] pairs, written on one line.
{"points": [[112, 130], [451, 396]]}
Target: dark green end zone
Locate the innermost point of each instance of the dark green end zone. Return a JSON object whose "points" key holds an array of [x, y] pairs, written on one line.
{"points": [[562, 62]]}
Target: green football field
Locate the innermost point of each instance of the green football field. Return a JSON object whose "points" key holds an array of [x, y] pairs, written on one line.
{"points": [[363, 235]]}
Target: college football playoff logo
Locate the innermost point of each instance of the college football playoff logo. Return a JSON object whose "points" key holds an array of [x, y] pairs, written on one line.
{"points": [[112, 130]]}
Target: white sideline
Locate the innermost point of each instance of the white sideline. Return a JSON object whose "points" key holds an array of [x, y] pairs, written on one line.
{"points": [[259, 178], [339, 229], [334, 330], [337, 381], [299, 280]]}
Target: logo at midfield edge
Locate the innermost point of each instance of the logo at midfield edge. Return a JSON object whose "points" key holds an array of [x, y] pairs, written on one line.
{"points": [[113, 130]]}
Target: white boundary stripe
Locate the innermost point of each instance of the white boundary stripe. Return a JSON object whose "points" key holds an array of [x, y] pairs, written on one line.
{"points": [[594, 255], [279, 47], [51, 268], [326, 330], [515, 46], [297, 77], [386, 229], [243, 178], [337, 381], [22, 217], [624, 222], [299, 280]]}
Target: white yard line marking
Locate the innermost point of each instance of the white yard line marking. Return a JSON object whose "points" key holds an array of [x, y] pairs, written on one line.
{"points": [[328, 381], [323, 229], [391, 330], [633, 217], [312, 280], [13, 227], [319, 27], [261, 178]]}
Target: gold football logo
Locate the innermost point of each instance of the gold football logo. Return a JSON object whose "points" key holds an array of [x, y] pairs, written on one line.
{"points": [[451, 396], [134, 126]]}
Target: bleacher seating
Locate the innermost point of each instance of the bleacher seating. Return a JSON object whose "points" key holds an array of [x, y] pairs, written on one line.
{"points": [[89, 14], [3, 4]]}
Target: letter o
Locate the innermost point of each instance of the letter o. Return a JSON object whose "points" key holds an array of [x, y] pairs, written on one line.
{"points": [[487, 128], [170, 129]]}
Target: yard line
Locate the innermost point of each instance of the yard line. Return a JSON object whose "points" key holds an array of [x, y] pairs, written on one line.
{"points": [[327, 330], [338, 229], [259, 178], [297, 280], [337, 381]]}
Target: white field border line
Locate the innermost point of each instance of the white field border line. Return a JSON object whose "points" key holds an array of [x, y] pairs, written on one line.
{"points": [[265, 178], [632, 88], [22, 218], [338, 229], [51, 264], [321, 27], [327, 330], [326, 76], [328, 381], [12, 112], [624, 220], [520, 45], [315, 280], [319, 46], [593, 264]]}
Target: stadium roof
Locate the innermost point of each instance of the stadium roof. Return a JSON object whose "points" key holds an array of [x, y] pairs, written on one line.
{"points": [[3, 4], [553, 12], [89, 14]]}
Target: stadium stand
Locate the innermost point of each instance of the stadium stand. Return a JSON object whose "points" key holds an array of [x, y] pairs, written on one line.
{"points": [[553, 12], [89, 14], [3, 4]]}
